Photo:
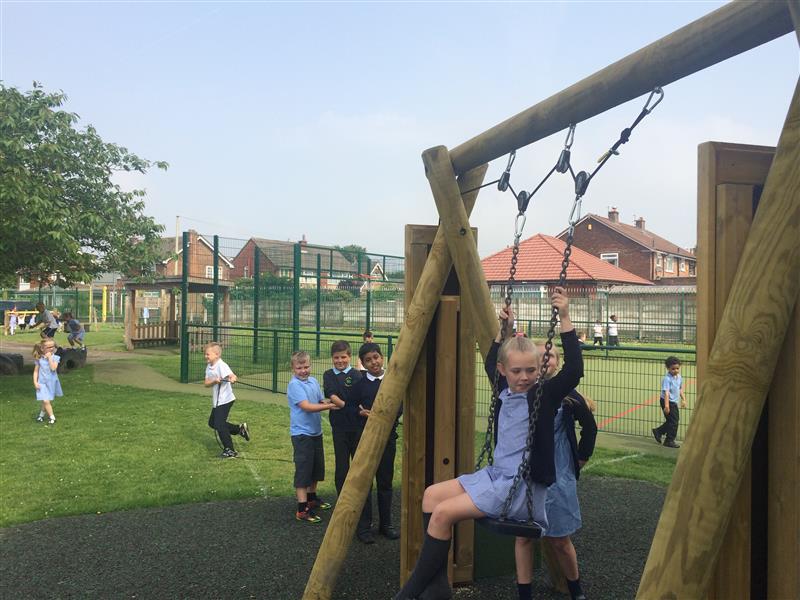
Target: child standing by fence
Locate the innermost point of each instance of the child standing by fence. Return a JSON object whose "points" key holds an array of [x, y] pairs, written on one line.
{"points": [[45, 378], [671, 390]]}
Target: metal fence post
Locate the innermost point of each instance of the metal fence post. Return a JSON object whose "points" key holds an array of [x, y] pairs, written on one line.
{"points": [[77, 314], [682, 337], [369, 309], [275, 361], [184, 310], [215, 306], [319, 300], [256, 298], [298, 259]]}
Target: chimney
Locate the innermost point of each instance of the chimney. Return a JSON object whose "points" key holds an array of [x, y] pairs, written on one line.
{"points": [[303, 241], [613, 215], [639, 223]]}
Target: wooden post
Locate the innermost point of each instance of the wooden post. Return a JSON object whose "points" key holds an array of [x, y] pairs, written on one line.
{"points": [[762, 298], [130, 317], [723, 33], [419, 314], [794, 11]]}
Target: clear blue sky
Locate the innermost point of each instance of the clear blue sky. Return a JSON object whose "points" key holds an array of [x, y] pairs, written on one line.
{"points": [[284, 119]]}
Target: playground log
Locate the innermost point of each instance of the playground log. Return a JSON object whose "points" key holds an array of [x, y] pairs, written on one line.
{"points": [[419, 315], [723, 33], [737, 377]]}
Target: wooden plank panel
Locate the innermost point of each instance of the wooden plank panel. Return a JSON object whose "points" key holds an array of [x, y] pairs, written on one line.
{"points": [[418, 240], [464, 536], [783, 505], [444, 433], [764, 292], [734, 215]]}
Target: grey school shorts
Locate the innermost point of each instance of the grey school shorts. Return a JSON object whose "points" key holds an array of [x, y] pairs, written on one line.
{"points": [[309, 460]]}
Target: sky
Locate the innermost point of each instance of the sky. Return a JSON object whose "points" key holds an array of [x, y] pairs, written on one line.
{"points": [[290, 119]]}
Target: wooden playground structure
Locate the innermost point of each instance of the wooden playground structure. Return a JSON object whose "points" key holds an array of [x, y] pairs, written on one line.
{"points": [[730, 525]]}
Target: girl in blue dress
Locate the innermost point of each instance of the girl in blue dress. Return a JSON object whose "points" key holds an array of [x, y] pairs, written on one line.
{"points": [[563, 510], [45, 378], [483, 493]]}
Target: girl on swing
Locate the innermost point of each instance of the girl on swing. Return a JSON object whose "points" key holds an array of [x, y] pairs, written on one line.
{"points": [[483, 493]]}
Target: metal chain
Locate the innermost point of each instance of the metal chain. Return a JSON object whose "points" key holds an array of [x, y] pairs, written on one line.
{"points": [[523, 472]]}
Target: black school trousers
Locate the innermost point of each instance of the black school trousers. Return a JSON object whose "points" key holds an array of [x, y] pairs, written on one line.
{"points": [[669, 427], [218, 420]]}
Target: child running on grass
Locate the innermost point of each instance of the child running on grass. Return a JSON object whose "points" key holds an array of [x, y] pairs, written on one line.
{"points": [[45, 378], [75, 330], [563, 510], [305, 426], [221, 379], [484, 492], [671, 390]]}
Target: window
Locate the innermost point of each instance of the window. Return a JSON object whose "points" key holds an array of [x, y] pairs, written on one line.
{"points": [[683, 265], [209, 271], [691, 268], [246, 270], [669, 263], [611, 258], [658, 260]]}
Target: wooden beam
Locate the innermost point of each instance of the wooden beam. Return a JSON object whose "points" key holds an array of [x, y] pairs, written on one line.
{"points": [[794, 11], [755, 321], [454, 222], [419, 314], [723, 33]]}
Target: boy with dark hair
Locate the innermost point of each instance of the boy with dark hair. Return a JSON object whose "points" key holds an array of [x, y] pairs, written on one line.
{"points": [[305, 425], [671, 392], [338, 383], [364, 394]]}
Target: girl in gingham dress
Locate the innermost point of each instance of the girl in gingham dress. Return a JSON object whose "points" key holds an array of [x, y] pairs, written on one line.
{"points": [[45, 378]]}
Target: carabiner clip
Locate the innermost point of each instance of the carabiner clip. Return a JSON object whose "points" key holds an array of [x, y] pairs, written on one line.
{"points": [[505, 178], [570, 137], [656, 91]]}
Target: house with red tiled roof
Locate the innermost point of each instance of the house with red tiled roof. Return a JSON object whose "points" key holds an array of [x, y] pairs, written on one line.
{"points": [[635, 249], [539, 265]]}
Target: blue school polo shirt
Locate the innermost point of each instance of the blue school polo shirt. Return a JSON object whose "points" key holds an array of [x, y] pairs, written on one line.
{"points": [[302, 422], [673, 385]]}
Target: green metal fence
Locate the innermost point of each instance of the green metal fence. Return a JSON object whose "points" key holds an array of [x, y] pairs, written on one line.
{"points": [[82, 302]]}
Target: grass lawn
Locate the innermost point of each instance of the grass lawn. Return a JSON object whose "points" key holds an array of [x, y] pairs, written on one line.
{"points": [[115, 448], [104, 336]]}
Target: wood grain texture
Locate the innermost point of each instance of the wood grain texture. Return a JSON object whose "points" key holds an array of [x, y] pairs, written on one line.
{"points": [[733, 218], [454, 223], [783, 507], [723, 33], [756, 317], [419, 314]]}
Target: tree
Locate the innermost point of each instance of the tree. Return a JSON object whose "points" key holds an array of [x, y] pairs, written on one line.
{"points": [[63, 216], [351, 251]]}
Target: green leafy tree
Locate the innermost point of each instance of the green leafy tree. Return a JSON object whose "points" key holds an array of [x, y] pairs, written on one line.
{"points": [[63, 216], [351, 251]]}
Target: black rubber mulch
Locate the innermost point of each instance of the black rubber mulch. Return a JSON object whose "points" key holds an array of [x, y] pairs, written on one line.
{"points": [[255, 549]]}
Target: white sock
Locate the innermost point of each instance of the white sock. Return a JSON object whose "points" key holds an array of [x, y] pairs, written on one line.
{"points": [[53, 419], [41, 414]]}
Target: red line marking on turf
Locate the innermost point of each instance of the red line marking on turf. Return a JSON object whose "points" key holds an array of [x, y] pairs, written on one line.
{"points": [[648, 402]]}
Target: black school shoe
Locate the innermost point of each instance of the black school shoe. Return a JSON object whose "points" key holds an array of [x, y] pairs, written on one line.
{"points": [[365, 537], [229, 453], [389, 532], [244, 431], [671, 444]]}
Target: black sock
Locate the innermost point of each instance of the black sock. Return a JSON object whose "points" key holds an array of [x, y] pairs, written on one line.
{"points": [[312, 496], [431, 558], [524, 591], [574, 587], [302, 506]]}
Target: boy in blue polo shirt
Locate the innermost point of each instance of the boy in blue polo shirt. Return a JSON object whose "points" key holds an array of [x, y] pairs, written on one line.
{"points": [[305, 425], [671, 390]]}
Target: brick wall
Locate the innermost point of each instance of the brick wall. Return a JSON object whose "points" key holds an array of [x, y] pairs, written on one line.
{"points": [[601, 240]]}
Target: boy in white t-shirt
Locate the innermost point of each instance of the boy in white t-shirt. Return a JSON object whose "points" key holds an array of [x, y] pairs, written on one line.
{"points": [[220, 377]]}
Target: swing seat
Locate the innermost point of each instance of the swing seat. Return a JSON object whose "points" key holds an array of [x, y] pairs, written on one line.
{"points": [[524, 529]]}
